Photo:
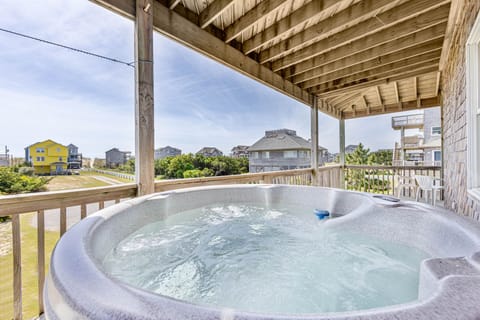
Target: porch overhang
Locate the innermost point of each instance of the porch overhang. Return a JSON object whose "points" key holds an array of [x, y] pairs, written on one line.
{"points": [[359, 57]]}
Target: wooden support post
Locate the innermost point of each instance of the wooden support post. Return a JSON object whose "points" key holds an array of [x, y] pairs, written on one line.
{"points": [[17, 267], [341, 125], [144, 124], [63, 220], [314, 138], [41, 257]]}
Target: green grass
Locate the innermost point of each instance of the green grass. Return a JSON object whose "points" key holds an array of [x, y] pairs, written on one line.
{"points": [[29, 270], [74, 182], [91, 173]]}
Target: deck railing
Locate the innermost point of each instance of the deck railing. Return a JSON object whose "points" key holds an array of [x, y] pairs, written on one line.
{"points": [[387, 179], [62, 208]]}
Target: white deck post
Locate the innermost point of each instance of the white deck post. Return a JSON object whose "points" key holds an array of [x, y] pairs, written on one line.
{"points": [[341, 125], [314, 138], [144, 125]]}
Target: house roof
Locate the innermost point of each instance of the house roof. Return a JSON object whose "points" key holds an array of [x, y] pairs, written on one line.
{"points": [[44, 141], [360, 58], [209, 150], [282, 139], [168, 147], [240, 148]]}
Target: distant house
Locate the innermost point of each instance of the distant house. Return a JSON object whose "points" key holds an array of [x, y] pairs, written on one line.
{"points": [[281, 150], [209, 152], [47, 157], [115, 157], [350, 148], [424, 147], [74, 158], [240, 152], [4, 158], [167, 152]]}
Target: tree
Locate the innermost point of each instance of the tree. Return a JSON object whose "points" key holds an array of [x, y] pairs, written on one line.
{"points": [[12, 182], [358, 156]]}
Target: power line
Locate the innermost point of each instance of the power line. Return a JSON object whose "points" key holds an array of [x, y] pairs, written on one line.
{"points": [[130, 64]]}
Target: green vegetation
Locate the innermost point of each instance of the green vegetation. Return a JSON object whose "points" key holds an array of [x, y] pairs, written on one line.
{"points": [[371, 180], [12, 182], [192, 166]]}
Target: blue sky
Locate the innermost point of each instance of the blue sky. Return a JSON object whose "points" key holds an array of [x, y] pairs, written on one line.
{"points": [[52, 93]]}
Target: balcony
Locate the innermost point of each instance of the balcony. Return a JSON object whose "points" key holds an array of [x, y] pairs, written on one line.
{"points": [[414, 121]]}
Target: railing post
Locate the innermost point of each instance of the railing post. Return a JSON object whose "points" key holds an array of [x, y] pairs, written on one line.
{"points": [[144, 125], [17, 267], [341, 125], [314, 138]]}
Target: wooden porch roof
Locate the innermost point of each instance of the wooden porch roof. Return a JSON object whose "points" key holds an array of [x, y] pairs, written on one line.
{"points": [[360, 57]]}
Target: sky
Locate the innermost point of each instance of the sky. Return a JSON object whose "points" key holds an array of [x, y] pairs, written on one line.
{"points": [[48, 92]]}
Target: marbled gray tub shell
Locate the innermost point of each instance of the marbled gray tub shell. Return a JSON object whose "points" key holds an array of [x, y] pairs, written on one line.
{"points": [[77, 288]]}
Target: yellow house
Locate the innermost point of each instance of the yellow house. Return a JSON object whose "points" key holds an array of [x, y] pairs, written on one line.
{"points": [[47, 157]]}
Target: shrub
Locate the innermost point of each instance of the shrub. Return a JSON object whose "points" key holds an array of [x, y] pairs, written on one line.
{"points": [[13, 182], [26, 171]]}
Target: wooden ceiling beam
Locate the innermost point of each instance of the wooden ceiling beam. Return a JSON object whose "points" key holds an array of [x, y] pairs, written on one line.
{"points": [[213, 11], [397, 27], [391, 108], [251, 17], [454, 15], [361, 73], [356, 52], [173, 3], [324, 91], [334, 70], [324, 28], [304, 14], [178, 28], [437, 81]]}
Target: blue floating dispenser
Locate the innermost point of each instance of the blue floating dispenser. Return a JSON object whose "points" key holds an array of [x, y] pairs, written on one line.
{"points": [[321, 214]]}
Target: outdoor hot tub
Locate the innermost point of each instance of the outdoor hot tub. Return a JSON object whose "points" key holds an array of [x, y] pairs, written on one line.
{"points": [[266, 252]]}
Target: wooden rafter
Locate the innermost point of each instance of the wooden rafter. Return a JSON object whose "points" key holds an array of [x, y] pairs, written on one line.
{"points": [[398, 27], [375, 74], [437, 81], [304, 14], [337, 70], [397, 94], [409, 105], [261, 10], [336, 78], [173, 3], [355, 52], [215, 9], [399, 75], [453, 17], [357, 12]]}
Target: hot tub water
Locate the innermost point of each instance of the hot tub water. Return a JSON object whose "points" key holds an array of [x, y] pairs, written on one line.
{"points": [[265, 259]]}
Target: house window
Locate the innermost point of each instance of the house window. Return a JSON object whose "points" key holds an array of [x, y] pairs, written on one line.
{"points": [[290, 154], [254, 155], [40, 150], [58, 149], [40, 159], [436, 131], [266, 155], [60, 159], [437, 155], [473, 110]]}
